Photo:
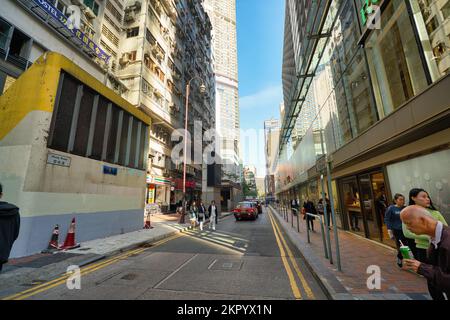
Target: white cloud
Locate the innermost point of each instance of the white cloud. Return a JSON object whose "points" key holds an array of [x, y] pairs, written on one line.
{"points": [[270, 96]]}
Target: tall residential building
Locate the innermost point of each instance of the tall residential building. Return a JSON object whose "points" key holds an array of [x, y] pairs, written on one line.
{"points": [[223, 18], [101, 144], [167, 44], [271, 138], [374, 102]]}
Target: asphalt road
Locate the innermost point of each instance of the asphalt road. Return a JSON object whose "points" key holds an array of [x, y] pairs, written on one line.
{"points": [[240, 260]]}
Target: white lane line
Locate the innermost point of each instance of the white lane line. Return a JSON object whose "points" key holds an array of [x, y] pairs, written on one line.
{"points": [[174, 272], [212, 264]]}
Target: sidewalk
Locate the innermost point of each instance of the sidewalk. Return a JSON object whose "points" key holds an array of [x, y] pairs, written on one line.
{"points": [[22, 273], [357, 254]]}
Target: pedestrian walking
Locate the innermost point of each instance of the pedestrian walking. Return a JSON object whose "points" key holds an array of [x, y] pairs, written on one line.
{"points": [[421, 243], [201, 214], [308, 205], [394, 224], [9, 228], [194, 214], [321, 209], [295, 206], [436, 268], [213, 213]]}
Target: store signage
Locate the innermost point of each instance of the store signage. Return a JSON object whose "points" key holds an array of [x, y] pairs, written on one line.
{"points": [[158, 180], [69, 25], [58, 160], [110, 170], [369, 7]]}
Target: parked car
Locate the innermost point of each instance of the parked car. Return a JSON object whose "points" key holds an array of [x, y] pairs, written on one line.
{"points": [[246, 210]]}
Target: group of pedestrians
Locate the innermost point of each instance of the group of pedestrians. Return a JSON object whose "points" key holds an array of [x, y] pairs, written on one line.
{"points": [[422, 228], [199, 214], [309, 207]]}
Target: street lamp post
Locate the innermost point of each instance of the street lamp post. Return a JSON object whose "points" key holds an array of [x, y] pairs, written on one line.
{"points": [[188, 89]]}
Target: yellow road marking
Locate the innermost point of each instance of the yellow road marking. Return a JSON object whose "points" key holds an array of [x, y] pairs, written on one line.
{"points": [[293, 283], [84, 271], [307, 288]]}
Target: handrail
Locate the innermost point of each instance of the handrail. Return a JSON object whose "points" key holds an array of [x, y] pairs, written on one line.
{"points": [[322, 231]]}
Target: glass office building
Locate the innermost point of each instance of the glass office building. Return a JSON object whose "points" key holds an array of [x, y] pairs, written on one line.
{"points": [[379, 72]]}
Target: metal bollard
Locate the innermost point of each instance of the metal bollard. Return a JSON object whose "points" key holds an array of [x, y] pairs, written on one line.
{"points": [[292, 219], [298, 225]]}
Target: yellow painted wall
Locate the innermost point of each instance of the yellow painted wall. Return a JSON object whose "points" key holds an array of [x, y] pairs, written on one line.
{"points": [[35, 90]]}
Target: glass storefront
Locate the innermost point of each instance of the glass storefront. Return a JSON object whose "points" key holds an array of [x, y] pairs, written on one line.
{"points": [[365, 199], [429, 172], [394, 59]]}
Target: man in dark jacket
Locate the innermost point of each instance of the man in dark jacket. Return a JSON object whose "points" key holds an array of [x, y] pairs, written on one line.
{"points": [[437, 267], [9, 228]]}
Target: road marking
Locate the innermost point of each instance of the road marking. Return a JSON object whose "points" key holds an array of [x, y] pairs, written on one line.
{"points": [[84, 271], [174, 272], [307, 288], [291, 277]]}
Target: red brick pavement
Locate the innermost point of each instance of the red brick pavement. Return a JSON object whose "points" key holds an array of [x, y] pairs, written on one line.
{"points": [[357, 254]]}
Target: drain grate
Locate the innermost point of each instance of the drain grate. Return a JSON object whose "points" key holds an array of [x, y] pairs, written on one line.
{"points": [[84, 249], [226, 265], [129, 276]]}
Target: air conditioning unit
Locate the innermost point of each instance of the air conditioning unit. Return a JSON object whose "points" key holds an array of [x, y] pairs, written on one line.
{"points": [[124, 59], [89, 13], [130, 16], [159, 55]]}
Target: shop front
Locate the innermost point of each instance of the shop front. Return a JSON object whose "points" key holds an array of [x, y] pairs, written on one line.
{"points": [[158, 192], [365, 198]]}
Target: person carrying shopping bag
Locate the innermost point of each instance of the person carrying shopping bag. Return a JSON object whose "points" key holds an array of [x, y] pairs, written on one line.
{"points": [[194, 214]]}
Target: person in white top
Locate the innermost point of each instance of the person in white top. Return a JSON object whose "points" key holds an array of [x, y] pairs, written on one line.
{"points": [[213, 212]]}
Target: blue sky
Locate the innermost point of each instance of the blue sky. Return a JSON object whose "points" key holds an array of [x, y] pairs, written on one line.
{"points": [[260, 28]]}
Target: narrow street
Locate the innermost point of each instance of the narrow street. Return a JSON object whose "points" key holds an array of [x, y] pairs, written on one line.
{"points": [[240, 260]]}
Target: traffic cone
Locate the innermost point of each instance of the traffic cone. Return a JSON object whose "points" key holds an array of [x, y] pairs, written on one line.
{"points": [[69, 243], [148, 223], [53, 244]]}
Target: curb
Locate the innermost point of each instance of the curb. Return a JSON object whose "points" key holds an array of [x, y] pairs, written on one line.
{"points": [[330, 292]]}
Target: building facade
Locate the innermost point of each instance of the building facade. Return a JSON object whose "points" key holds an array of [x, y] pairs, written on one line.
{"points": [[379, 75], [224, 38], [167, 44], [271, 137], [145, 53]]}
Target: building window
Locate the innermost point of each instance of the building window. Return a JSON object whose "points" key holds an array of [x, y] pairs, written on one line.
{"points": [[93, 5], [105, 137], [112, 23], [132, 55], [5, 29], [394, 60], [87, 30], [110, 35], [108, 48], [133, 32], [433, 35], [58, 4], [110, 7]]}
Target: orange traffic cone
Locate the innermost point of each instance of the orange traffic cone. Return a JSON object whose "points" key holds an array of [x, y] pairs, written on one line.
{"points": [[148, 223], [53, 244], [69, 243]]}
